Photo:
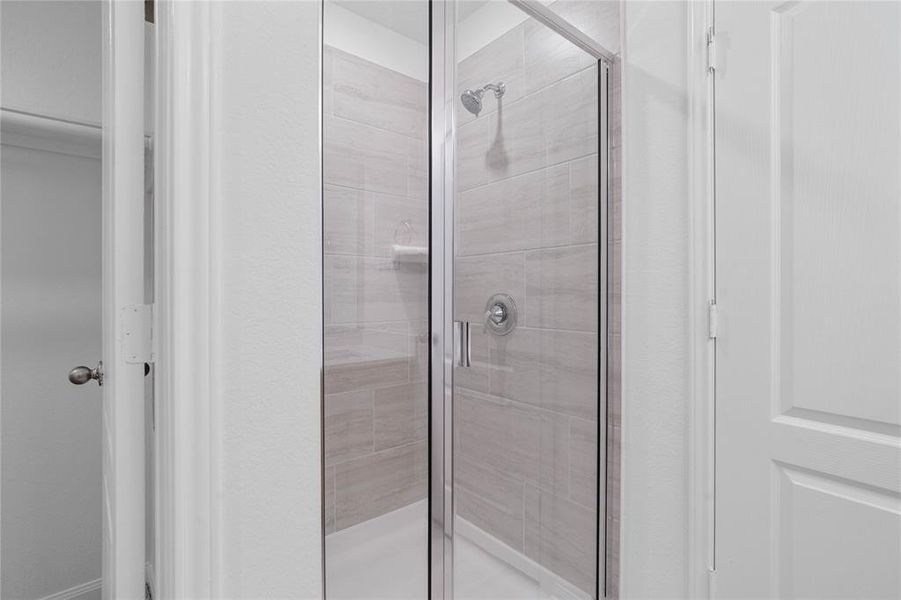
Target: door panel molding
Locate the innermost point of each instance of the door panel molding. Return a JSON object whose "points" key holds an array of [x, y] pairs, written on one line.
{"points": [[803, 499], [808, 451]]}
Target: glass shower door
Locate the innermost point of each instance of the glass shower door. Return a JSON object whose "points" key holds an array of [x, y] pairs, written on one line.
{"points": [[528, 265], [376, 284], [465, 249]]}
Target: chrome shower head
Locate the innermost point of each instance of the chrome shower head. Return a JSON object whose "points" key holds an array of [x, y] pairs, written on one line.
{"points": [[472, 99]]}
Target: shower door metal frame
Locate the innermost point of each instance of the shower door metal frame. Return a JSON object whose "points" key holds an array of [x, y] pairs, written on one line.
{"points": [[442, 141], [548, 17], [441, 213]]}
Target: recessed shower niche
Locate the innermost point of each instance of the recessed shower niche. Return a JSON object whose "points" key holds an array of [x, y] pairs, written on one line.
{"points": [[470, 397]]}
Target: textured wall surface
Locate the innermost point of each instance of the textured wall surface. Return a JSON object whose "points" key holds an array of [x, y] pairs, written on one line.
{"points": [[656, 286], [265, 124], [375, 136]]}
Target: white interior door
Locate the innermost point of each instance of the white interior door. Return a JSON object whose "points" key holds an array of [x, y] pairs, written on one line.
{"points": [[125, 321], [808, 266]]}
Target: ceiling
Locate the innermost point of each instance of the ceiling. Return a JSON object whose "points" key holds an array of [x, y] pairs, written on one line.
{"points": [[410, 18], [466, 7]]}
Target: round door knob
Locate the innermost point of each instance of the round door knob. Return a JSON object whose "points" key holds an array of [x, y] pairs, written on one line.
{"points": [[81, 375]]}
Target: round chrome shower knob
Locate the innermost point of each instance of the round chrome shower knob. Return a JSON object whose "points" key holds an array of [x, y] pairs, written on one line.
{"points": [[500, 314]]}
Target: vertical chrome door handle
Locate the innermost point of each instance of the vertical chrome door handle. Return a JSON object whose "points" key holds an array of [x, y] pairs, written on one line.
{"points": [[462, 344]]}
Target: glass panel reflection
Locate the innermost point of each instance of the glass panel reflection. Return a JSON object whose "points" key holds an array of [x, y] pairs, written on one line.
{"points": [[527, 221], [376, 210]]}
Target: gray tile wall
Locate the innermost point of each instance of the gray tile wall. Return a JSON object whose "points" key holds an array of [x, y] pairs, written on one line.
{"points": [[526, 412], [376, 312]]}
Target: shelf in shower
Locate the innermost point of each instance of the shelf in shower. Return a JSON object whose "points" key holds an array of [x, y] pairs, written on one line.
{"points": [[401, 254]]}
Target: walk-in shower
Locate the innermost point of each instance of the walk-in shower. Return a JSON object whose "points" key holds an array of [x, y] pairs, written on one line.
{"points": [[469, 390], [472, 99]]}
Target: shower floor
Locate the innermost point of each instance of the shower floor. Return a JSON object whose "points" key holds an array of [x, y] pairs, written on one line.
{"points": [[385, 558]]}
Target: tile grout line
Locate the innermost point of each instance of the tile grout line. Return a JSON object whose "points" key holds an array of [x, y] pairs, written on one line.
{"points": [[580, 245], [338, 117]]}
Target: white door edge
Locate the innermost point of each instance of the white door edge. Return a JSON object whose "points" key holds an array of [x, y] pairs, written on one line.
{"points": [[701, 484], [123, 284]]}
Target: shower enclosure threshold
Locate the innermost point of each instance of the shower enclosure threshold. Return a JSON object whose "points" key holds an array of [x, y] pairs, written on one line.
{"points": [[371, 560]]}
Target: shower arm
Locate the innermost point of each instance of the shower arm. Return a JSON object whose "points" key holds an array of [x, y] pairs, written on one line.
{"points": [[498, 88]]}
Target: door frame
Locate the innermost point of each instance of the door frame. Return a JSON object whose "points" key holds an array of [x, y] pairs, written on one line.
{"points": [[701, 61], [441, 273], [187, 316], [194, 279], [123, 443]]}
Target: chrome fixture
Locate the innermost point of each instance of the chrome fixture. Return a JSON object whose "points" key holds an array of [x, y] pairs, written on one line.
{"points": [[462, 344], [82, 375], [500, 319], [546, 15], [500, 314], [472, 99]]}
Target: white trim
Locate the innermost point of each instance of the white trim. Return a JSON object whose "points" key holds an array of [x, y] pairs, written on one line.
{"points": [[76, 591], [559, 25], [186, 298], [42, 132], [47, 133], [702, 293], [122, 169], [554, 585], [29, 112]]}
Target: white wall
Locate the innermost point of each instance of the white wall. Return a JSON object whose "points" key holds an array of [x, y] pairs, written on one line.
{"points": [[51, 468], [51, 58], [51, 436], [656, 285], [267, 182]]}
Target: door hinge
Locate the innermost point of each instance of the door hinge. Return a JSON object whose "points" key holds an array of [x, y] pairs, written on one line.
{"points": [[137, 333], [713, 320], [711, 50]]}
